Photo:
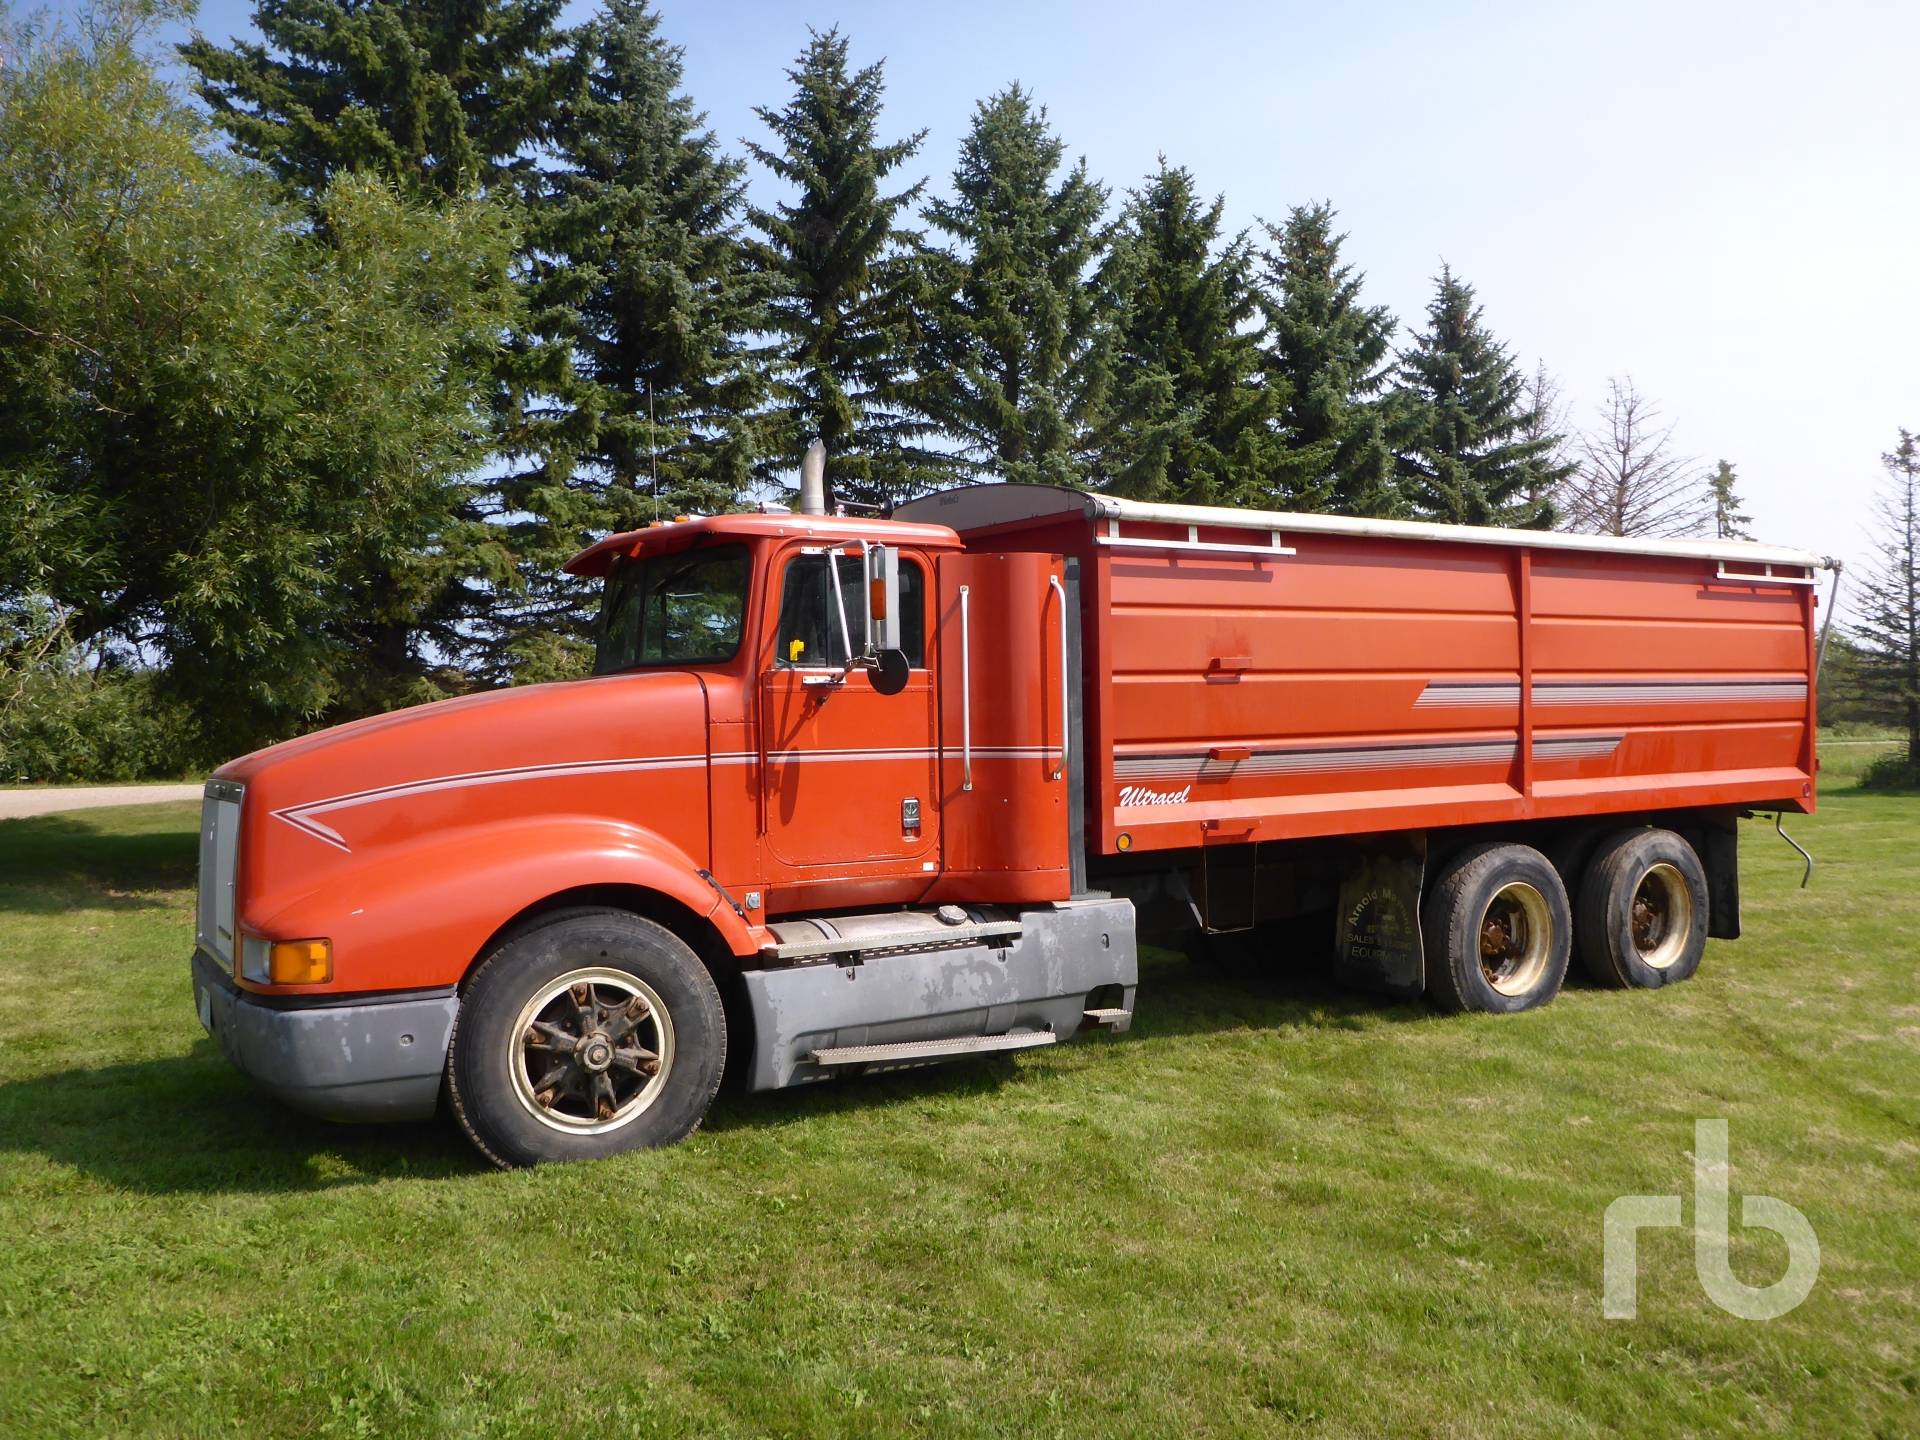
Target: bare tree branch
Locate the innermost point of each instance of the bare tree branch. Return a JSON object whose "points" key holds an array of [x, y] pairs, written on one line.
{"points": [[1629, 480]]}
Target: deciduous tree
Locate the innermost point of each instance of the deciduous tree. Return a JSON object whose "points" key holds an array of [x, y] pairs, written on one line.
{"points": [[228, 444], [1629, 480]]}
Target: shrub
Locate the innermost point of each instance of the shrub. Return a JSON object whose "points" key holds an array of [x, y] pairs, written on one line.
{"points": [[1893, 771], [68, 725]]}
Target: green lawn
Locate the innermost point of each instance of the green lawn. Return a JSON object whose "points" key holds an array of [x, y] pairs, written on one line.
{"points": [[1273, 1208]]}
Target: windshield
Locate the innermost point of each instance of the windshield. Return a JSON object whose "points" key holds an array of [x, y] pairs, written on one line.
{"points": [[683, 609]]}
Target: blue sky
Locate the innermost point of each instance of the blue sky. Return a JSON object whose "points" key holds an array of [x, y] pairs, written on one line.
{"points": [[1717, 198]]}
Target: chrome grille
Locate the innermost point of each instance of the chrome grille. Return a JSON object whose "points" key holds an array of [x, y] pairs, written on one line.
{"points": [[219, 857]]}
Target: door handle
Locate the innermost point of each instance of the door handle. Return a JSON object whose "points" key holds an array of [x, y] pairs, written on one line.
{"points": [[1053, 583]]}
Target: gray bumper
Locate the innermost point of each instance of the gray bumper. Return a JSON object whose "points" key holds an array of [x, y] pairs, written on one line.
{"points": [[1041, 981], [364, 1059]]}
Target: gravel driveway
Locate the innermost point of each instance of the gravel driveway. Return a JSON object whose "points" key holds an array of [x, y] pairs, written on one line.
{"points": [[18, 804]]}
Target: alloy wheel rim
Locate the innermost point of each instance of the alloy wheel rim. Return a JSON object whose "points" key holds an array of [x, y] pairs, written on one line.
{"points": [[1661, 916], [1515, 938], [591, 1051]]}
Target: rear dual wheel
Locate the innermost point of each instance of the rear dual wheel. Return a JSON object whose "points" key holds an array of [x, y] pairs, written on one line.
{"points": [[1643, 911], [1497, 931]]}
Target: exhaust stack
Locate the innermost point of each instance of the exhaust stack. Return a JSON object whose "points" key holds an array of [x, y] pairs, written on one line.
{"points": [[813, 479]]}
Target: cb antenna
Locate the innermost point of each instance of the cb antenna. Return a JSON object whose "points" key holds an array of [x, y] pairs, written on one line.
{"points": [[653, 452]]}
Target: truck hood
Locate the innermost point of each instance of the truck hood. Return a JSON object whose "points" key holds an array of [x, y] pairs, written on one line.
{"points": [[543, 749]]}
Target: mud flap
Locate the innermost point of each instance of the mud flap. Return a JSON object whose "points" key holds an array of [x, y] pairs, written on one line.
{"points": [[1377, 940]]}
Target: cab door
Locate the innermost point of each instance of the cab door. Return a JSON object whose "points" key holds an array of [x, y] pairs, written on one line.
{"points": [[849, 775]]}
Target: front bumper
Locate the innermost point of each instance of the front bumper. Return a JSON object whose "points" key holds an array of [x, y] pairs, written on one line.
{"points": [[369, 1058]]}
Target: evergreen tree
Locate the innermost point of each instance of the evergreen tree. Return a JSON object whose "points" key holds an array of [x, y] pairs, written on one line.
{"points": [[228, 443], [434, 97], [1190, 419], [1460, 421], [1729, 515], [1547, 420], [842, 273], [1888, 627], [1018, 359], [639, 275], [1328, 361]]}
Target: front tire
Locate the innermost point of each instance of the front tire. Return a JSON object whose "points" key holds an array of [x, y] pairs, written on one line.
{"points": [[1497, 931], [1643, 911], [594, 1033]]}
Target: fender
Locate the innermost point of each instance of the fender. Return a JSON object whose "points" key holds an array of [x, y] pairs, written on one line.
{"points": [[414, 915]]}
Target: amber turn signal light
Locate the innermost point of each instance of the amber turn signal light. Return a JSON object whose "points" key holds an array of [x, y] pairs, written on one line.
{"points": [[301, 962]]}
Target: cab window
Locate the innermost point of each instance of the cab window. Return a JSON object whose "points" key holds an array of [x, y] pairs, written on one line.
{"points": [[809, 632], [684, 609]]}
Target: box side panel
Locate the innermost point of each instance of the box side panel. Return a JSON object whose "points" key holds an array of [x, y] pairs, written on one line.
{"points": [[1655, 676], [1360, 685]]}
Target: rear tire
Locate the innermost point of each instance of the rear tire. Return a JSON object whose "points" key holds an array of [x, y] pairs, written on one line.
{"points": [[1497, 930], [1642, 911], [594, 1033]]}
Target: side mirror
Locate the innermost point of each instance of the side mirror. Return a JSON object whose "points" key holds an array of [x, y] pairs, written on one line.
{"points": [[891, 672], [883, 600]]}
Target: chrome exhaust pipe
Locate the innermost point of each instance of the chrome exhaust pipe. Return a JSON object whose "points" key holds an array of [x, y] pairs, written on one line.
{"points": [[813, 479]]}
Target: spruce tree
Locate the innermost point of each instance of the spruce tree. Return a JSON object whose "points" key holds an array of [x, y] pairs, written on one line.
{"points": [[1328, 362], [1459, 418], [1190, 418], [443, 99], [1888, 627], [639, 275], [1018, 358], [1729, 515], [842, 272]]}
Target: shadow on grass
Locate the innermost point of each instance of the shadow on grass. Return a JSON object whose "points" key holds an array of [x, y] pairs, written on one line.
{"points": [[81, 848], [190, 1124]]}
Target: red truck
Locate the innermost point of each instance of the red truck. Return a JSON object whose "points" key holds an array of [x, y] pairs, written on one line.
{"points": [[851, 794]]}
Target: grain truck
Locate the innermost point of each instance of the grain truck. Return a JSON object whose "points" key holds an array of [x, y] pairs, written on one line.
{"points": [[849, 794]]}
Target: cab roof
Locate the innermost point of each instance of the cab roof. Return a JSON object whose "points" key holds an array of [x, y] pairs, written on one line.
{"points": [[669, 536]]}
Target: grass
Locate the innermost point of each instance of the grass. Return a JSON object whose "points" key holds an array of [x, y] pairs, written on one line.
{"points": [[1273, 1209]]}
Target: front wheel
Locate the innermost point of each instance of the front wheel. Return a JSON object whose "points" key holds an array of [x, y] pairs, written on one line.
{"points": [[593, 1033]]}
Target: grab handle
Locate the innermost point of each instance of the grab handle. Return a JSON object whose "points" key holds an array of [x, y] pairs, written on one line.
{"points": [[966, 697], [1053, 583]]}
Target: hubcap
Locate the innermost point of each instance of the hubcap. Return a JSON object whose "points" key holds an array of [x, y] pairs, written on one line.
{"points": [[1516, 938], [1662, 916], [591, 1051]]}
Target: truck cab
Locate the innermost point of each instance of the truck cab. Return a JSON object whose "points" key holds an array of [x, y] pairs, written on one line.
{"points": [[816, 803]]}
